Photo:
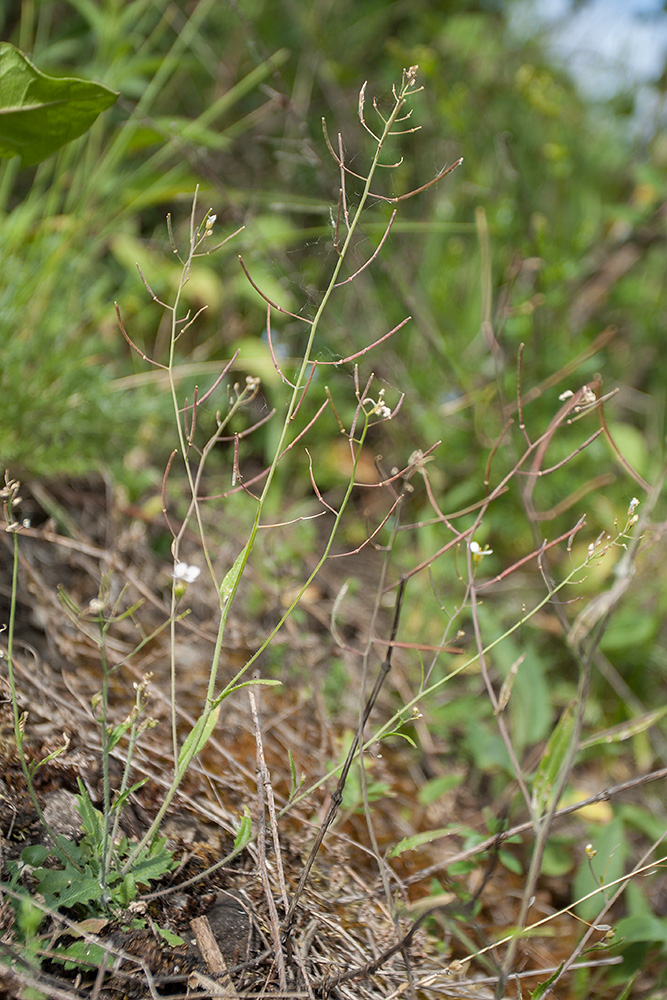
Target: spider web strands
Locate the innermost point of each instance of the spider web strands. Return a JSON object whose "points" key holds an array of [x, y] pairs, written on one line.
{"points": [[451, 517], [426, 647], [370, 260], [261, 475], [249, 430], [274, 305], [564, 461], [354, 552], [215, 385], [527, 827], [624, 462], [519, 400], [303, 394], [144, 357], [337, 796], [536, 553], [600, 341], [316, 489], [165, 477], [190, 431], [539, 446], [381, 197], [591, 486], [272, 352], [403, 474], [365, 350]]}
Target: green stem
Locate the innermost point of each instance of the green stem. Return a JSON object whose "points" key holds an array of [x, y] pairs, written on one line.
{"points": [[180, 767]]}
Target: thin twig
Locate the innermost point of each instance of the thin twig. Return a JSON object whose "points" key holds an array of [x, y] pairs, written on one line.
{"points": [[365, 350], [370, 260], [271, 351], [337, 796], [274, 305], [264, 796], [519, 401], [144, 357]]}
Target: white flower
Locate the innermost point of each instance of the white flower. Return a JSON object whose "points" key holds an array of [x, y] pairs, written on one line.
{"points": [[565, 395], [380, 409], [185, 573], [477, 552], [634, 503]]}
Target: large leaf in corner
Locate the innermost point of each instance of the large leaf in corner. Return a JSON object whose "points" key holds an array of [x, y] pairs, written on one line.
{"points": [[39, 113]]}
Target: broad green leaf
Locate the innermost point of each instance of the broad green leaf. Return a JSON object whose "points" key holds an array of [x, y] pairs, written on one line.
{"points": [[552, 761], [35, 855], [126, 892], [158, 863], [39, 113], [611, 849], [66, 888], [79, 953], [198, 736], [643, 927]]}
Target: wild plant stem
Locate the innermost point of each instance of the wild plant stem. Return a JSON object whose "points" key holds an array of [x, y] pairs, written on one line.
{"points": [[182, 763]]}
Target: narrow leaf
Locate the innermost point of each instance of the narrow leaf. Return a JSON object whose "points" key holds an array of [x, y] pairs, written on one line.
{"points": [[292, 767], [626, 730], [539, 992], [198, 736], [552, 761], [419, 839], [232, 577], [244, 831]]}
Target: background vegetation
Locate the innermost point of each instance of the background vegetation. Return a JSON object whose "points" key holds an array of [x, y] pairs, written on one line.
{"points": [[551, 234]]}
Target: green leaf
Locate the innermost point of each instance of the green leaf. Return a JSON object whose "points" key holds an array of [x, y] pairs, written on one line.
{"points": [[403, 736], [437, 787], [92, 820], [292, 767], [244, 831], [153, 865], [643, 927], [198, 736], [172, 939], [81, 953], [39, 113], [35, 855], [63, 888], [232, 577], [120, 803], [626, 730], [115, 734], [419, 839], [552, 761], [510, 862], [611, 849], [126, 892], [538, 993]]}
